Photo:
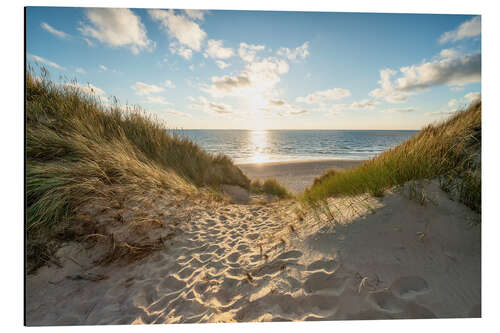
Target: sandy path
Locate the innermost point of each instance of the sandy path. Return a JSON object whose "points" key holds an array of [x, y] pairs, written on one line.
{"points": [[368, 260], [297, 175]]}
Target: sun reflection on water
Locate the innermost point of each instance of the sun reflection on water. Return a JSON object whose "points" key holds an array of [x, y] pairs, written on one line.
{"points": [[259, 142]]}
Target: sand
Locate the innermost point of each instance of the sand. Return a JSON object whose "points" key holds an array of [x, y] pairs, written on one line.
{"points": [[363, 258], [296, 175]]}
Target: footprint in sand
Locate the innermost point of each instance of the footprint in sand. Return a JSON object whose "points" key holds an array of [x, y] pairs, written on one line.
{"points": [[242, 247], [294, 254], [233, 257], [253, 236], [384, 300], [416, 311], [185, 273], [322, 302], [409, 286], [320, 281], [328, 266], [205, 257]]}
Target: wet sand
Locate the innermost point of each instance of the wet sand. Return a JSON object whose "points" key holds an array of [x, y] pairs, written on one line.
{"points": [[295, 175]]}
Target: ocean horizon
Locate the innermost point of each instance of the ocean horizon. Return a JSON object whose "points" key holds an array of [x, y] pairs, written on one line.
{"points": [[263, 146]]}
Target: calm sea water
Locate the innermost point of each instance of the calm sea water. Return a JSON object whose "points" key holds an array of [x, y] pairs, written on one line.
{"points": [[247, 146]]}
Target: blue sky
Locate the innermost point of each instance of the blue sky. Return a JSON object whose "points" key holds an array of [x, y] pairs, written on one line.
{"points": [[265, 70]]}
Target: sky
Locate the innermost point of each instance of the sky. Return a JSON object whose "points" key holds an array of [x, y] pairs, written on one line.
{"points": [[215, 69]]}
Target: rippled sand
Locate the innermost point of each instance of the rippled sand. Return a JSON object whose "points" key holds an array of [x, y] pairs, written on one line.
{"points": [[367, 258]]}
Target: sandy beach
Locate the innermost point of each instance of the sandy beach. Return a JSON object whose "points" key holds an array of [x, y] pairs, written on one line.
{"points": [[295, 175], [369, 258]]}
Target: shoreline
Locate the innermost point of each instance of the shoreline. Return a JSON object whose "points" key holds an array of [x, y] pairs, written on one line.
{"points": [[295, 175], [311, 161]]}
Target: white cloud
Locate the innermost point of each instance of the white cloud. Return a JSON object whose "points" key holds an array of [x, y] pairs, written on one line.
{"points": [[221, 64], [169, 84], [472, 96], [324, 95], [44, 61], [211, 107], [80, 70], [365, 104], [195, 14], [103, 68], [117, 27], [177, 113], [453, 103], [299, 52], [277, 102], [142, 88], [180, 27], [298, 112], [451, 70], [54, 31], [216, 50], [228, 83], [400, 110], [191, 67], [281, 108], [257, 78], [157, 100], [89, 42], [467, 29], [181, 50], [463, 102], [248, 52], [440, 113], [449, 53]]}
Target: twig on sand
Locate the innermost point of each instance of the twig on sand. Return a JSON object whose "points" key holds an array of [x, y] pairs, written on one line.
{"points": [[87, 276], [250, 278], [76, 262], [367, 282]]}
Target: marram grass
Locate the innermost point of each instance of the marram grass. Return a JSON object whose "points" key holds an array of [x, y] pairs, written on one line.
{"points": [[449, 151], [76, 147]]}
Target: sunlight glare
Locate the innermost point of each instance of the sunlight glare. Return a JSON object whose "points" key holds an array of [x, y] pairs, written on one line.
{"points": [[259, 141]]}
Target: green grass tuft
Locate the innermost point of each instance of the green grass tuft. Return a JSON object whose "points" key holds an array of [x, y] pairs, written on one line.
{"points": [[270, 186]]}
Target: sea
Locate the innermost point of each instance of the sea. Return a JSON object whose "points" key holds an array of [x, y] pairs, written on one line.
{"points": [[261, 146]]}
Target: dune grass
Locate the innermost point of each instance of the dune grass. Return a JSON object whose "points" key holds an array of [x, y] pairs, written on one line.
{"points": [[79, 149], [270, 186], [76, 146], [450, 151]]}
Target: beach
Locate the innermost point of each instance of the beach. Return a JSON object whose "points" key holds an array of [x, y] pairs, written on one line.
{"points": [[295, 175], [373, 258]]}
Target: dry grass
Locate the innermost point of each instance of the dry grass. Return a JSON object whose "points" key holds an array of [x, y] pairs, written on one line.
{"points": [[450, 151]]}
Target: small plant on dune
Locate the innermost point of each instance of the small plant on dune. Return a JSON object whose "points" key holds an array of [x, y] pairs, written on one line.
{"points": [[327, 174], [270, 186], [449, 151]]}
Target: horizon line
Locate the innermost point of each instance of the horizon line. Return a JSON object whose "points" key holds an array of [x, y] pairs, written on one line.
{"points": [[290, 129]]}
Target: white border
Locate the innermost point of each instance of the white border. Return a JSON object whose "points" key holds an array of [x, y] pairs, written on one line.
{"points": [[12, 20]]}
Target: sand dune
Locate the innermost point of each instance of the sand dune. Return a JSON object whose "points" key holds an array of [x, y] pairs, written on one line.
{"points": [[364, 258]]}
